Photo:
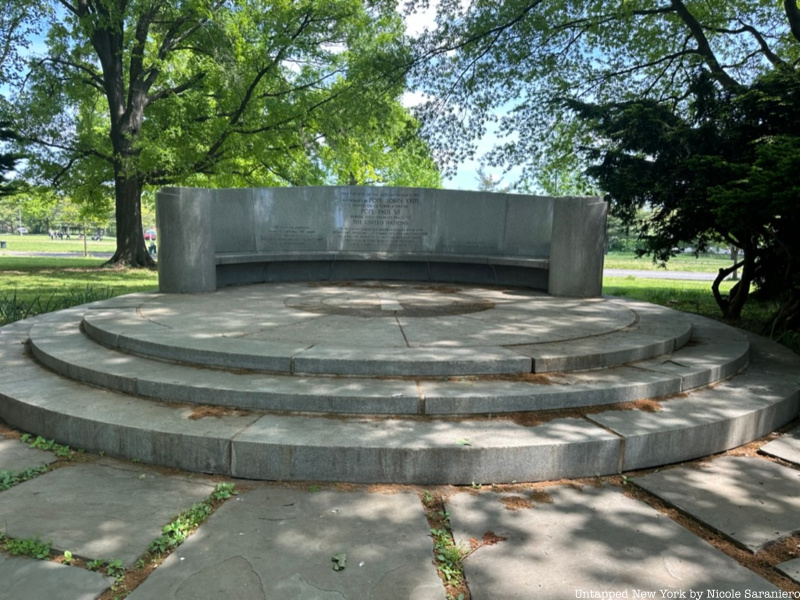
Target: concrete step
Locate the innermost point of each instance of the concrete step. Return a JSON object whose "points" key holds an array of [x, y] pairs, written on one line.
{"points": [[715, 353], [295, 341], [411, 449]]}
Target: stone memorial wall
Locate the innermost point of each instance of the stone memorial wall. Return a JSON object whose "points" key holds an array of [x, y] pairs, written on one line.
{"points": [[211, 238]]}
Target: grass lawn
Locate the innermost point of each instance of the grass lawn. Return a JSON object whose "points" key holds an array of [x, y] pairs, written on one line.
{"points": [[43, 243], [33, 285], [705, 263]]}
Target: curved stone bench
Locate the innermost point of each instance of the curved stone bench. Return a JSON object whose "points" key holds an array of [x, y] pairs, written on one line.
{"points": [[215, 238], [242, 268]]}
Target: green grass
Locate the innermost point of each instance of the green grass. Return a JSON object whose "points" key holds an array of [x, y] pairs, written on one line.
{"points": [[705, 263], [695, 297], [33, 285], [665, 291], [43, 243]]}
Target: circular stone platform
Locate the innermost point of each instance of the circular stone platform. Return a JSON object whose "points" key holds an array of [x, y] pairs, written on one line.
{"points": [[380, 328], [412, 316], [389, 382]]}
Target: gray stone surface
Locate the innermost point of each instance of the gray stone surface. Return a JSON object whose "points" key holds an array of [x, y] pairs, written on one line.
{"points": [[410, 447], [30, 579], [104, 511], [591, 539], [577, 247], [657, 331], [345, 330], [411, 361], [66, 351], [717, 352], [350, 227], [98, 420], [719, 418], [63, 348], [186, 231], [553, 392], [786, 447], [16, 456], [278, 543], [752, 501], [790, 568], [397, 451]]}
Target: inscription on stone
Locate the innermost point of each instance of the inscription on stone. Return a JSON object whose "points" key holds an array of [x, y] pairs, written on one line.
{"points": [[294, 237], [378, 219]]}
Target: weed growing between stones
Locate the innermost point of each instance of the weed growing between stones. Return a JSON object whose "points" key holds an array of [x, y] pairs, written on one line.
{"points": [[173, 534], [111, 567], [448, 556], [40, 443], [9, 479], [32, 547]]}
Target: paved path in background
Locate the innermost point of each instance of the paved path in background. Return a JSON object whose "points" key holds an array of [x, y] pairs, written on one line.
{"points": [[660, 274], [557, 541]]}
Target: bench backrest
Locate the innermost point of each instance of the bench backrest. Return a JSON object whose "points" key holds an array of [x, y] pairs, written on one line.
{"points": [[203, 230]]}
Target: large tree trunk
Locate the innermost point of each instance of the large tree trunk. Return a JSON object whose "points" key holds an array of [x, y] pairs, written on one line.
{"points": [[131, 249]]}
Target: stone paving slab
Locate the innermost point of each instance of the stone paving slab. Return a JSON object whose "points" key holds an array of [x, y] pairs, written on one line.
{"points": [[790, 568], [105, 510], [751, 501], [592, 539], [31, 579], [16, 456], [786, 447], [278, 543], [179, 338], [275, 312]]}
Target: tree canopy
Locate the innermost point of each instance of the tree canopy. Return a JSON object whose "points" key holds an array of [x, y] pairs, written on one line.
{"points": [[688, 108], [136, 93], [505, 65], [722, 171]]}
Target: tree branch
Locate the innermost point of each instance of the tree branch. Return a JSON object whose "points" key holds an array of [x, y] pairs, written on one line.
{"points": [[793, 15], [176, 90], [94, 76], [703, 47], [745, 28], [173, 38]]}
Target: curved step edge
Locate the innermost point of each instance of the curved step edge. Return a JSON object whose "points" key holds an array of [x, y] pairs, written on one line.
{"points": [[658, 331], [94, 419], [716, 419], [61, 347], [121, 330]]}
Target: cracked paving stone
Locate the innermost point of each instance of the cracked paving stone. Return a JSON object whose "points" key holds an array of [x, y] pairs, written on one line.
{"points": [[276, 543]]}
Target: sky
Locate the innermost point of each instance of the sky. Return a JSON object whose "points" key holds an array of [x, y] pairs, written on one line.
{"points": [[466, 176]]}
